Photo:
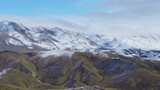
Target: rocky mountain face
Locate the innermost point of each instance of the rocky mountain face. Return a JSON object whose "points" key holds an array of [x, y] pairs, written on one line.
{"points": [[17, 37]]}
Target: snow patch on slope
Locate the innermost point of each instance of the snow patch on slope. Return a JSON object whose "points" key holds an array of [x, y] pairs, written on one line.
{"points": [[56, 53], [4, 71]]}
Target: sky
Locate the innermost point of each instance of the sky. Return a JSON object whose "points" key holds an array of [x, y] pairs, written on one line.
{"points": [[95, 16]]}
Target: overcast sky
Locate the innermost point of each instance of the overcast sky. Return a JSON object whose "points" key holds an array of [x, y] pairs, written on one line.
{"points": [[100, 16]]}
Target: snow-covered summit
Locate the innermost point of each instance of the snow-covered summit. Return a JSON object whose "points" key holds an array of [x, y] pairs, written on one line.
{"points": [[14, 36]]}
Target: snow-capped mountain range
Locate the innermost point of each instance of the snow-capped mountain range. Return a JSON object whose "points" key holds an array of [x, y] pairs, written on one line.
{"points": [[14, 36]]}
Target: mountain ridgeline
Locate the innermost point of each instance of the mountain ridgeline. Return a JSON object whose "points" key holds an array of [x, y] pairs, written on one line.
{"points": [[17, 37]]}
